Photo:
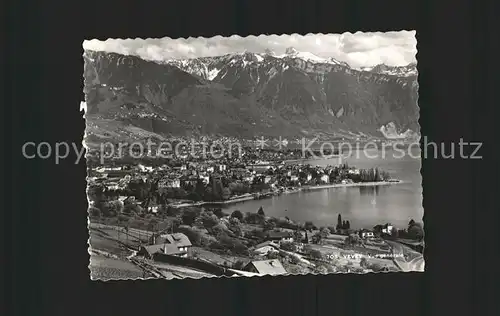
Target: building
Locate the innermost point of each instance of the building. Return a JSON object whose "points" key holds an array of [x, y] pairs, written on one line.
{"points": [[325, 178], [205, 178], [167, 249], [366, 234], [176, 244], [279, 236], [169, 183], [265, 267], [388, 229], [266, 247], [222, 168]]}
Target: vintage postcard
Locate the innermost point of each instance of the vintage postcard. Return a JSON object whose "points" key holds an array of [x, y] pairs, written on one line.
{"points": [[250, 156]]}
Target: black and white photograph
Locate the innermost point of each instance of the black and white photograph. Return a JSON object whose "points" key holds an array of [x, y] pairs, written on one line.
{"points": [[251, 156]]}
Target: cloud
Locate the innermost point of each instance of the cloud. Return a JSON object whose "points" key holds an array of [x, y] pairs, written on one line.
{"points": [[358, 49]]}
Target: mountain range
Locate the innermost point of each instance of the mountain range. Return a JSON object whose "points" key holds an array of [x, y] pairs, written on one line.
{"points": [[247, 95]]}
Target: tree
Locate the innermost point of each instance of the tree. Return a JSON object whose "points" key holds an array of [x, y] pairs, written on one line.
{"points": [[394, 233], [94, 211], [207, 220], [313, 253], [261, 211], [348, 225], [339, 222], [237, 214], [193, 196], [235, 226], [218, 212], [316, 238], [353, 240], [324, 232], [297, 236], [152, 224], [189, 217], [363, 263], [288, 246], [226, 194], [416, 231], [309, 226], [96, 193], [173, 211], [378, 228], [269, 225], [272, 255], [253, 218], [238, 265]]}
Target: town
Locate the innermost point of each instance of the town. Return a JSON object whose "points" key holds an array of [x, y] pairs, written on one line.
{"points": [[164, 218]]}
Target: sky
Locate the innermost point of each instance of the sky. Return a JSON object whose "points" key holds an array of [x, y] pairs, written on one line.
{"points": [[358, 49]]}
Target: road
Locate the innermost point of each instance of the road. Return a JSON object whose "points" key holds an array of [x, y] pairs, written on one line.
{"points": [[401, 252]]}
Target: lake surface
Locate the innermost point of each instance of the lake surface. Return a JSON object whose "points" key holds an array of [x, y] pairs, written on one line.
{"points": [[364, 207]]}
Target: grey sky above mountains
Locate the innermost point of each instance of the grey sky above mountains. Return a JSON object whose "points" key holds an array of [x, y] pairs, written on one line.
{"points": [[358, 49]]}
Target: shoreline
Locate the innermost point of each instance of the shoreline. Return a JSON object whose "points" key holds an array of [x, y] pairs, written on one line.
{"points": [[301, 189]]}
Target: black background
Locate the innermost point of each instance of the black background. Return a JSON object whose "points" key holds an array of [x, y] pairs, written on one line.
{"points": [[45, 219]]}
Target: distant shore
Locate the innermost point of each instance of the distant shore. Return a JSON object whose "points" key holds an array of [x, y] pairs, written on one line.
{"points": [[337, 156], [357, 184], [301, 189]]}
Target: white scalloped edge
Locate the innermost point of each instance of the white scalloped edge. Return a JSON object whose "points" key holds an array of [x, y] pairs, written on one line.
{"points": [[251, 276], [421, 133], [96, 41]]}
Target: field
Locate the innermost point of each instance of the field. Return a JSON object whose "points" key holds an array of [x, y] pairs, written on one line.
{"points": [[105, 268], [220, 259]]}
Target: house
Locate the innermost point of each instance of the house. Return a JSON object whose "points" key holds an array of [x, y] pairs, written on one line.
{"points": [[309, 177], [366, 234], [168, 249], [279, 236], [204, 178], [388, 229], [188, 181], [264, 248], [145, 168], [125, 199], [353, 171], [265, 267], [294, 178], [176, 244], [325, 178], [222, 168], [153, 209], [169, 183], [249, 178], [267, 179]]}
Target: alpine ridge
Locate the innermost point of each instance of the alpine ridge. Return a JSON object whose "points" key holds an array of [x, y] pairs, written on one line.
{"points": [[250, 94]]}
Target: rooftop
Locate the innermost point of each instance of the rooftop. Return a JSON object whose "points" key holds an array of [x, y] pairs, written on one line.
{"points": [[167, 249], [271, 267], [178, 239]]}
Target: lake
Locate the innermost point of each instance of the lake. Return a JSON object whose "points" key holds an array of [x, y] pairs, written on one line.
{"points": [[364, 207]]}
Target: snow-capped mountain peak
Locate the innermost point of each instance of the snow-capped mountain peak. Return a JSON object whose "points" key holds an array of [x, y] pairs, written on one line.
{"points": [[400, 71], [291, 52]]}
